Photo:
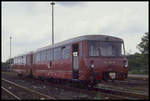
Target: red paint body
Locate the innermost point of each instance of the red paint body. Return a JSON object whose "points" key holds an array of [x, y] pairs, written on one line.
{"points": [[63, 68]]}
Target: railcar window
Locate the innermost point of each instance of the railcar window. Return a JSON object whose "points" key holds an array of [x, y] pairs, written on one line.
{"points": [[15, 61], [93, 48], [99, 48], [65, 52], [57, 53], [106, 49], [49, 54], [28, 60], [23, 60], [38, 56], [35, 57], [19, 60], [111, 48], [43, 55]]}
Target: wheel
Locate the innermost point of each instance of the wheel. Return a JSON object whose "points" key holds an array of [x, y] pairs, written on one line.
{"points": [[20, 75], [92, 84]]}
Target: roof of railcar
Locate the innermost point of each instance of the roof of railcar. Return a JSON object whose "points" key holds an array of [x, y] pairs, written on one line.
{"points": [[24, 54], [82, 38]]}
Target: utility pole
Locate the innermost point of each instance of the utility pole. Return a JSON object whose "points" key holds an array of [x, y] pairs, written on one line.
{"points": [[10, 46], [52, 3], [52, 22], [10, 53]]}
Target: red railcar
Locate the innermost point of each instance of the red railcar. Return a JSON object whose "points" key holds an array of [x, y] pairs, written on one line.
{"points": [[85, 58], [23, 64]]}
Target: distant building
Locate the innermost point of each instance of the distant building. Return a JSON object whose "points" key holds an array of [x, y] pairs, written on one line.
{"points": [[10, 62]]}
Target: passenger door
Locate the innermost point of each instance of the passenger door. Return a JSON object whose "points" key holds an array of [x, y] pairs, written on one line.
{"points": [[75, 61]]}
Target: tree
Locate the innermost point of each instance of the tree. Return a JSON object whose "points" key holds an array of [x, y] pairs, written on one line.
{"points": [[143, 46]]}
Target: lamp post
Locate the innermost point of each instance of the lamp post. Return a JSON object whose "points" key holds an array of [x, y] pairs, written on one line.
{"points": [[10, 53], [52, 3], [52, 22]]}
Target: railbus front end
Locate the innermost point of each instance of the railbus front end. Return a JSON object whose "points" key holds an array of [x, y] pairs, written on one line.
{"points": [[106, 60]]}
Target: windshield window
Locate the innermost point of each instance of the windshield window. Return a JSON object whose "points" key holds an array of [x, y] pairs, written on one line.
{"points": [[97, 48]]}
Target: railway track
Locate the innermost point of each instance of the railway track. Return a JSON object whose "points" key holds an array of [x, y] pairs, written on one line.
{"points": [[20, 92], [137, 86], [11, 94], [112, 93], [107, 92], [122, 94]]}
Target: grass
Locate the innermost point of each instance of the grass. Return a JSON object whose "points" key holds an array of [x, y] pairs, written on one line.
{"points": [[83, 95], [9, 73], [144, 72], [98, 96]]}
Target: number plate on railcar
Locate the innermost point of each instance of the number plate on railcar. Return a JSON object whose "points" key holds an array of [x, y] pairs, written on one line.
{"points": [[112, 75]]}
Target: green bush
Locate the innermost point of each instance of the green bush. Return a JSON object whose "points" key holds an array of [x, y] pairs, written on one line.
{"points": [[138, 72]]}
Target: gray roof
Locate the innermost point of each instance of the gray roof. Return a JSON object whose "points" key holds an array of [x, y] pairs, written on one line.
{"points": [[81, 38], [23, 54]]}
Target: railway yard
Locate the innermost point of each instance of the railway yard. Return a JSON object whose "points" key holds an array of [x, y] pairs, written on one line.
{"points": [[14, 87]]}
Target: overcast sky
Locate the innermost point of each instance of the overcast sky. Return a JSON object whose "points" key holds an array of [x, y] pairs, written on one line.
{"points": [[29, 23]]}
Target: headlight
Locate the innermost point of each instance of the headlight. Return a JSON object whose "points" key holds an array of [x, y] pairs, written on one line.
{"points": [[92, 65], [126, 64]]}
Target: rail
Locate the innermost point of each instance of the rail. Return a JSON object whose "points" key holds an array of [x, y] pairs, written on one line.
{"points": [[29, 90], [111, 92], [18, 98], [129, 95]]}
